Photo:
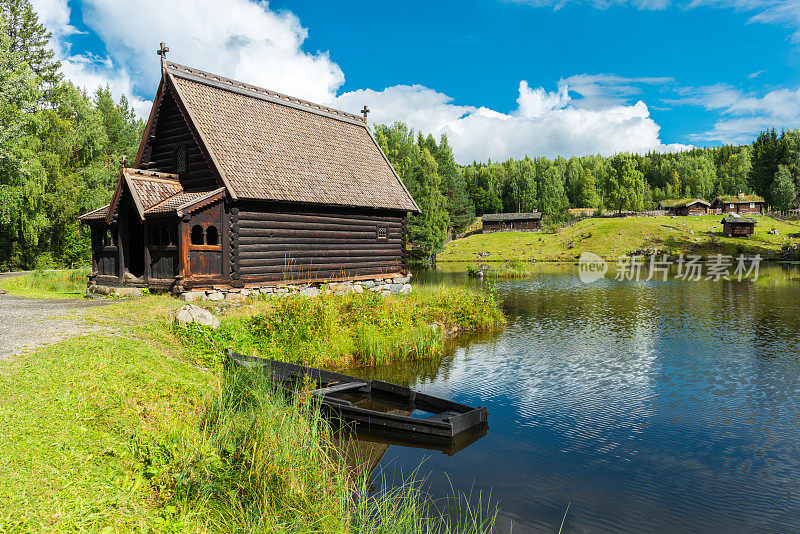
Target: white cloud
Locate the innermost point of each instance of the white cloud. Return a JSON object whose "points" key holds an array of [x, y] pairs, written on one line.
{"points": [[743, 114], [236, 38], [246, 40], [544, 123]]}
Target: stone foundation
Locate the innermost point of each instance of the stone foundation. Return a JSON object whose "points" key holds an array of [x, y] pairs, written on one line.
{"points": [[384, 286]]}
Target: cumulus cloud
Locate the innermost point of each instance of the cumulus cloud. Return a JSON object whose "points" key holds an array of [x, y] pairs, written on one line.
{"points": [[236, 38], [86, 70], [743, 114], [247, 40], [545, 123]]}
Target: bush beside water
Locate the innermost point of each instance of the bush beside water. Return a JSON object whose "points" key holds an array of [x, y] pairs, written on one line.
{"points": [[346, 330]]}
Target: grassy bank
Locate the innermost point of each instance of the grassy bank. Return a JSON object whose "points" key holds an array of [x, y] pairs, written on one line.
{"points": [[348, 330], [63, 284], [121, 431], [614, 237]]}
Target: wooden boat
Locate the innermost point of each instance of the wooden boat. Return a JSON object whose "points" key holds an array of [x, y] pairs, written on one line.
{"points": [[377, 407]]}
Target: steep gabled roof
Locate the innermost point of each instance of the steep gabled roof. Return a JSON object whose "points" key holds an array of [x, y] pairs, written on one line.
{"points": [[268, 146]]}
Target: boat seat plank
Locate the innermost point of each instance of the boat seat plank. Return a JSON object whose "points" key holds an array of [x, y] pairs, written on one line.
{"points": [[338, 388]]}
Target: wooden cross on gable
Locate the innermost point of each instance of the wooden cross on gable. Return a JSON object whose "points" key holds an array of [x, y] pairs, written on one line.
{"points": [[163, 50], [364, 112]]}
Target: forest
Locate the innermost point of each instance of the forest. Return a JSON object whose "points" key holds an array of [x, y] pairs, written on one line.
{"points": [[60, 150]]}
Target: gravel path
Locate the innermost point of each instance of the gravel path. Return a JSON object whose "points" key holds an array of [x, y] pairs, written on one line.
{"points": [[30, 323]]}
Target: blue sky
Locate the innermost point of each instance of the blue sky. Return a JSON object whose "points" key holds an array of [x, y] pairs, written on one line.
{"points": [[500, 78]]}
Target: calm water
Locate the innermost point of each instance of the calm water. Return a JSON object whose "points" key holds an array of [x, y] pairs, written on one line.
{"points": [[645, 406]]}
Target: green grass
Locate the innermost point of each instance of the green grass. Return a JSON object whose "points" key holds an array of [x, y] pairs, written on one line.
{"points": [[348, 330], [63, 284], [119, 431], [614, 237]]}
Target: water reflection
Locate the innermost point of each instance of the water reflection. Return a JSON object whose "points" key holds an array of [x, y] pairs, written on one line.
{"points": [[650, 406]]}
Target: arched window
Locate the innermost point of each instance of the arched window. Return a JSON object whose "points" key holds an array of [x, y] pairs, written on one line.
{"points": [[197, 235], [107, 241], [181, 159], [166, 236], [212, 237]]}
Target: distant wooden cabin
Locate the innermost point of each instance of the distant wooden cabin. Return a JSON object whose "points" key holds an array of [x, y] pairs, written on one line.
{"points": [[685, 206], [234, 185], [497, 222], [740, 203], [738, 226]]}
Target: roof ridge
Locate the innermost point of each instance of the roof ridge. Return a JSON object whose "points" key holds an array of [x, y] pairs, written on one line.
{"points": [[192, 73], [144, 173]]}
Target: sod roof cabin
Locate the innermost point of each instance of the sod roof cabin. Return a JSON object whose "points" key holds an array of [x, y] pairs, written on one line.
{"points": [[495, 222], [733, 226], [740, 203], [685, 206], [234, 184]]}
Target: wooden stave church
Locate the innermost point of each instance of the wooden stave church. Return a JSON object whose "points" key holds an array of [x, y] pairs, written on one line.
{"points": [[235, 185]]}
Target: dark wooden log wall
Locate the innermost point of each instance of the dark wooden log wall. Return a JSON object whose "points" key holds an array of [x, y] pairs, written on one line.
{"points": [[104, 256], [283, 242], [170, 130]]}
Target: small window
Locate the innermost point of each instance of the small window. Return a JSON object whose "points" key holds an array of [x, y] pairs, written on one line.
{"points": [[381, 233], [181, 159], [730, 206], [752, 205], [197, 235], [107, 238], [212, 237]]}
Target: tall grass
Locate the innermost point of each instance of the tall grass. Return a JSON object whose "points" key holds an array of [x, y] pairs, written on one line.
{"points": [[255, 462], [344, 330], [68, 283]]}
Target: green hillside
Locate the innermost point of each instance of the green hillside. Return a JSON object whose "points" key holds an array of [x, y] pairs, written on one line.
{"points": [[614, 237]]}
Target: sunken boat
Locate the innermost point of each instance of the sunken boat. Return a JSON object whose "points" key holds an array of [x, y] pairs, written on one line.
{"points": [[377, 408]]}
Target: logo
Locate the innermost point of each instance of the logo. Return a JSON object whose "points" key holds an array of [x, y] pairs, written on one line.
{"points": [[591, 267]]}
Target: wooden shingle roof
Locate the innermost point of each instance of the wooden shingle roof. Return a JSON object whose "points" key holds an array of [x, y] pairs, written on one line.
{"points": [[268, 146]]}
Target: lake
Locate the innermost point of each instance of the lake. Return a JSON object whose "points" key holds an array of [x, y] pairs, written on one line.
{"points": [[643, 406]]}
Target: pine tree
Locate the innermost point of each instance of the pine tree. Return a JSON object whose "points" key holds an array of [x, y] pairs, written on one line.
{"points": [[767, 155], [454, 187], [28, 40]]}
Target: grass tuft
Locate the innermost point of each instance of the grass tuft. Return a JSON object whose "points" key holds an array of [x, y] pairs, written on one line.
{"points": [[62, 284], [347, 330]]}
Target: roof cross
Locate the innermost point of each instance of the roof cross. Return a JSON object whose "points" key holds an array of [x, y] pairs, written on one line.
{"points": [[163, 50], [364, 112]]}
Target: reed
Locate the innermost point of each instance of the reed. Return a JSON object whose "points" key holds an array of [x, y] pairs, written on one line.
{"points": [[257, 462]]}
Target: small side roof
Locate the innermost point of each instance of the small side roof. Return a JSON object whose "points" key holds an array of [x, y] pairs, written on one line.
{"points": [[154, 193], [491, 217], [739, 220]]}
